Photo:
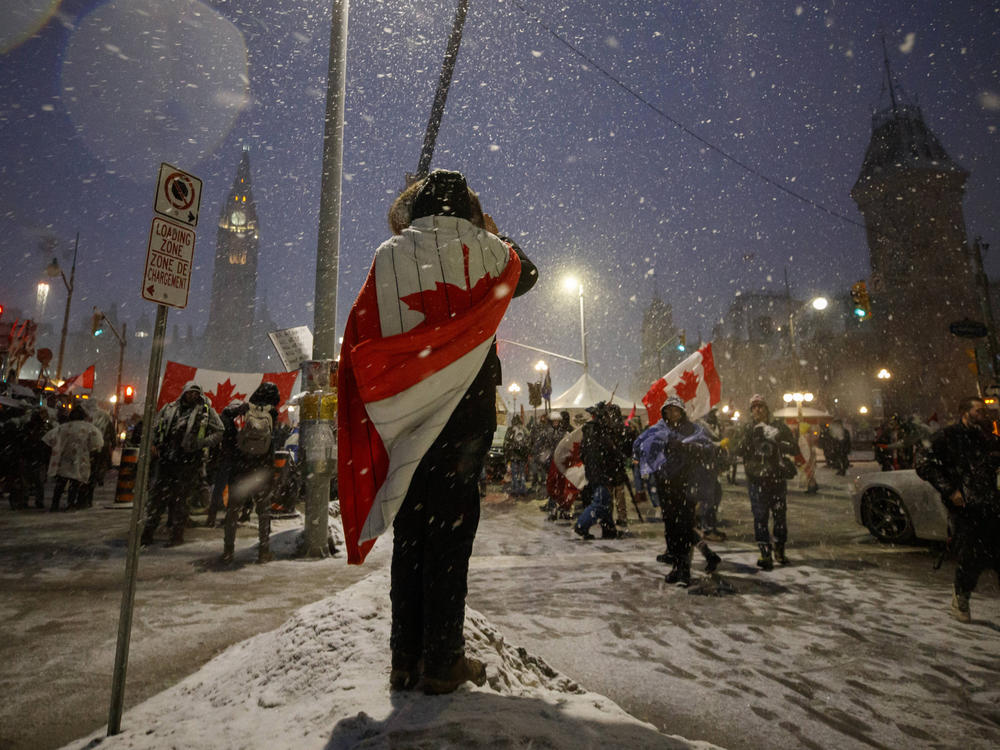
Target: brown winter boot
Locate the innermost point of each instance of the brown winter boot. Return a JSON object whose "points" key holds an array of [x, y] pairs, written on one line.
{"points": [[465, 669]]}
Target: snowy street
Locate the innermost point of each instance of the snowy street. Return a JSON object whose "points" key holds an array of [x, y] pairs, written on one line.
{"points": [[850, 646]]}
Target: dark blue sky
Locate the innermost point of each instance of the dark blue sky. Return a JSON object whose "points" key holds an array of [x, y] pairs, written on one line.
{"points": [[588, 178]]}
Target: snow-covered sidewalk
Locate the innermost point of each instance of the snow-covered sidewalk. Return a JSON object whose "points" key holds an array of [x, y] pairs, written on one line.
{"points": [[321, 681]]}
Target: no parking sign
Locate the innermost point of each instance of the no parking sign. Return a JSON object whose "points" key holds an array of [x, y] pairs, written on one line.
{"points": [[178, 195]]}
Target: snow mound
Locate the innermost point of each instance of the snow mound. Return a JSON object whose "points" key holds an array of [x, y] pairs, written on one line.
{"points": [[321, 681]]}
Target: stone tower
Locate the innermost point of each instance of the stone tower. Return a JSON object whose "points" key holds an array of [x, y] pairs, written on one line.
{"points": [[922, 279], [231, 339]]}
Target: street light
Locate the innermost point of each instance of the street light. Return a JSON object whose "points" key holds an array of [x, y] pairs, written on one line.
{"points": [[514, 389], [799, 399], [819, 304], [571, 284], [100, 317], [41, 298], [53, 270], [883, 374]]}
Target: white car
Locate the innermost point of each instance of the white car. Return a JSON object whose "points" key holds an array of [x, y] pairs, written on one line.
{"points": [[899, 506]]}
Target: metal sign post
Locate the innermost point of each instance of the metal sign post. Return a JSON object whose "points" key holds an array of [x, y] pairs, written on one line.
{"points": [[135, 523], [166, 280]]}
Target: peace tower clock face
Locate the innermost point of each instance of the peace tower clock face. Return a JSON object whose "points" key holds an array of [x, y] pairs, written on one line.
{"points": [[238, 218]]}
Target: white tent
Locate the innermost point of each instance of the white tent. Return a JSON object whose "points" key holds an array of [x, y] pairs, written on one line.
{"points": [[586, 392]]}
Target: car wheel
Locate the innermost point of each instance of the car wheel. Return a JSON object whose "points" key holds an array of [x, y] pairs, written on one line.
{"points": [[885, 516]]}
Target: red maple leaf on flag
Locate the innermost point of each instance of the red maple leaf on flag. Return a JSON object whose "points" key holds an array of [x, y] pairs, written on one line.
{"points": [[445, 299], [688, 387], [223, 395]]}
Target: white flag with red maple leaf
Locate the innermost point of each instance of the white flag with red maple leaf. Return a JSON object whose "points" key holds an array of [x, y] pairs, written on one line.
{"points": [[221, 387], [694, 381]]}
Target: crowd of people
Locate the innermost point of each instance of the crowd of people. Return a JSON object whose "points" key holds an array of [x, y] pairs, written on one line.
{"points": [[200, 458]]}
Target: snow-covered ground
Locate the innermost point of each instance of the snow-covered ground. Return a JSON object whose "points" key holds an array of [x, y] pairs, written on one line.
{"points": [[320, 681], [834, 651]]}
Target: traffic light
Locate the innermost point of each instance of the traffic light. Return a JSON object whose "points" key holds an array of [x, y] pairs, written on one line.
{"points": [[96, 326], [859, 298], [128, 395], [682, 342]]}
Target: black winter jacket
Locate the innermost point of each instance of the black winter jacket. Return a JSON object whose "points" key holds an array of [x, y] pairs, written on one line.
{"points": [[762, 446], [963, 458]]}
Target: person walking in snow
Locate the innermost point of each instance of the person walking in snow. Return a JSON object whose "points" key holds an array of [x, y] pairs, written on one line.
{"points": [[763, 446], [516, 451], [417, 411], [181, 432], [674, 451], [602, 464], [73, 445], [962, 463]]}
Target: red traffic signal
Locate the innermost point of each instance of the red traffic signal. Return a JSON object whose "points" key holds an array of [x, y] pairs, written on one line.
{"points": [[129, 394]]}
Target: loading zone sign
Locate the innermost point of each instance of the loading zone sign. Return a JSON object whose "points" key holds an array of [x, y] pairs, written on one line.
{"points": [[178, 195], [169, 256]]}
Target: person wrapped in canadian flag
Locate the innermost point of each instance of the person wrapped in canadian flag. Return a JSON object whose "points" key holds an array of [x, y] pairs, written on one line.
{"points": [[417, 410]]}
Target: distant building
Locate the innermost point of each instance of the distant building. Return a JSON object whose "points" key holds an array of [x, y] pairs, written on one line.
{"points": [[910, 194], [236, 335]]}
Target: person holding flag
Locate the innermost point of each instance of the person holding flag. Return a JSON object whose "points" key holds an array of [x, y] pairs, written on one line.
{"points": [[416, 412]]}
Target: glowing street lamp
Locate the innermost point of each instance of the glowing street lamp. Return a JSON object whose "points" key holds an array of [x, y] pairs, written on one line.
{"points": [[863, 410], [514, 389], [799, 399], [883, 374]]}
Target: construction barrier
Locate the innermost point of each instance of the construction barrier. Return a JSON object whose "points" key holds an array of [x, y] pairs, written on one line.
{"points": [[127, 470]]}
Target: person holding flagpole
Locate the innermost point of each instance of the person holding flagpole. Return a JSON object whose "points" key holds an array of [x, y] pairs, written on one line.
{"points": [[416, 412]]}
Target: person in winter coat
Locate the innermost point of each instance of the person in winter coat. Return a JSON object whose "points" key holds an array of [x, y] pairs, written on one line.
{"points": [[251, 472], [441, 219], [602, 464], [516, 452], [35, 456], [181, 432], [674, 452], [962, 463], [102, 461], [73, 444], [762, 446]]}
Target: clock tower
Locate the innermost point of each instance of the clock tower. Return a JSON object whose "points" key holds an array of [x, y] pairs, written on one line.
{"points": [[230, 337]]}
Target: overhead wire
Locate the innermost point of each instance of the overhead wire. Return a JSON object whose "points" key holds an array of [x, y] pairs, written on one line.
{"points": [[681, 126]]}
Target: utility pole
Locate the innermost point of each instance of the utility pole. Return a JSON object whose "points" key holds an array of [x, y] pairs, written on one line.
{"points": [[437, 109], [318, 429], [985, 305]]}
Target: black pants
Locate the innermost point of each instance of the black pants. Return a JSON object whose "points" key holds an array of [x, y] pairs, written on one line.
{"points": [[433, 535], [678, 506], [249, 483], [977, 544], [175, 484], [71, 496]]}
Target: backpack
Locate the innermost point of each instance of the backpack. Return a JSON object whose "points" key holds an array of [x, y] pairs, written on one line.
{"points": [[254, 438]]}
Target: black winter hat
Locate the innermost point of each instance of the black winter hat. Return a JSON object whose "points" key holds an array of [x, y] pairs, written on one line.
{"points": [[266, 395], [443, 193]]}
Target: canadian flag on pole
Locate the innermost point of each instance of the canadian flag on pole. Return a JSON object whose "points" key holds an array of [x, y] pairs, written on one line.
{"points": [[694, 381], [78, 382], [220, 387]]}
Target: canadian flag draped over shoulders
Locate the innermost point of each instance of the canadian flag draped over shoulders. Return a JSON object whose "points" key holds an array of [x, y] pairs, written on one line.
{"points": [[694, 381], [415, 340]]}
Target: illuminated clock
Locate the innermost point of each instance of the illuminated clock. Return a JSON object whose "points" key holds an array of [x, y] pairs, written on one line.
{"points": [[238, 218]]}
